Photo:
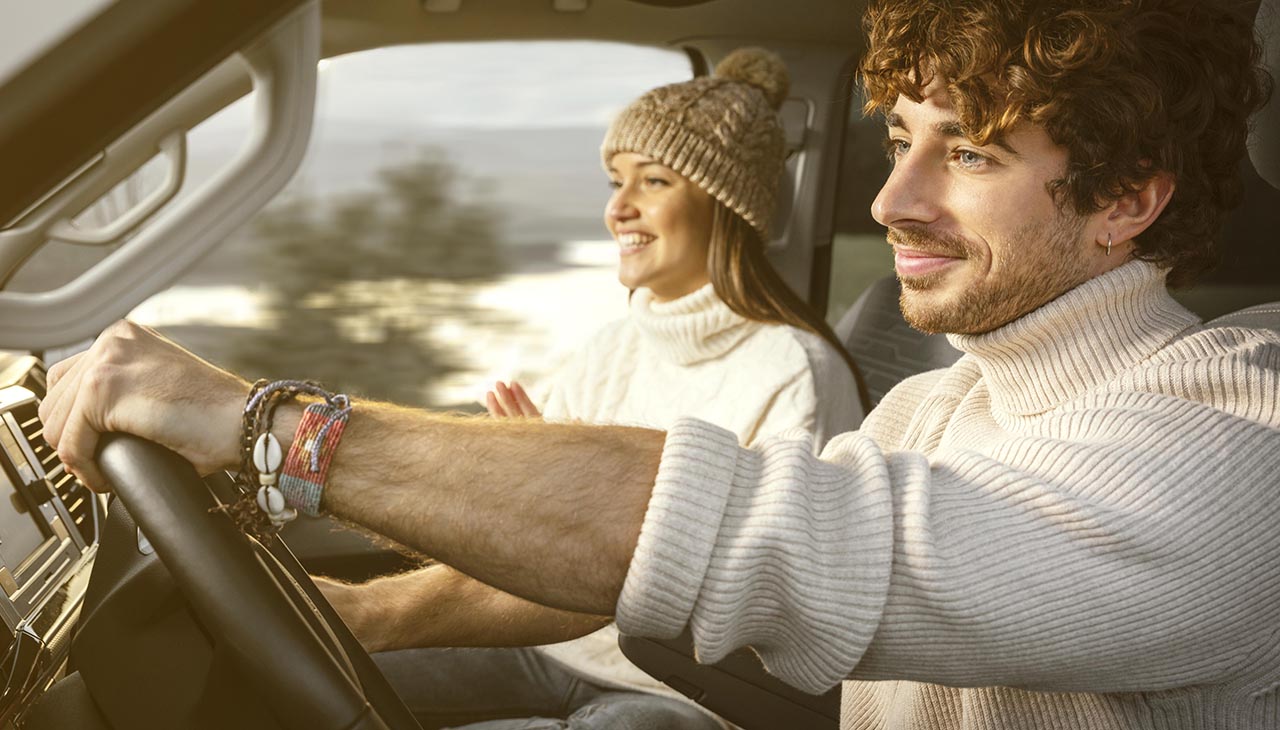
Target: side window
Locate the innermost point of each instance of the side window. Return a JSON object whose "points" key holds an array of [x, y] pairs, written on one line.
{"points": [[445, 230], [859, 254]]}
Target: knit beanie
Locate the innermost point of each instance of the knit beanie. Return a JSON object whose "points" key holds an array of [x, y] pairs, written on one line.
{"points": [[720, 131]]}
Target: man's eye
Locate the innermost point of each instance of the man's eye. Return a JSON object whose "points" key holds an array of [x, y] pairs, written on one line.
{"points": [[895, 148], [969, 158]]}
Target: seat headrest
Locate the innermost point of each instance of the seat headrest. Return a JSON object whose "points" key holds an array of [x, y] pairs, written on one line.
{"points": [[885, 347], [1259, 316], [1264, 139]]}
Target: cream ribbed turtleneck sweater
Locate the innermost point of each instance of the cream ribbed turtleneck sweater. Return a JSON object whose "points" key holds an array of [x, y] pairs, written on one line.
{"points": [[1075, 526], [694, 356]]}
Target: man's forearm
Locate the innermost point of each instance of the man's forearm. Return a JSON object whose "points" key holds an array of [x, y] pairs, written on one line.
{"points": [[548, 512], [438, 606]]}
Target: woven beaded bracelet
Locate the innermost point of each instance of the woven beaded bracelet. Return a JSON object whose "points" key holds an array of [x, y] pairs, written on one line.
{"points": [[314, 442]]}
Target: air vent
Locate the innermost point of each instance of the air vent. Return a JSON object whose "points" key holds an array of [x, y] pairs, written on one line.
{"points": [[74, 496]]}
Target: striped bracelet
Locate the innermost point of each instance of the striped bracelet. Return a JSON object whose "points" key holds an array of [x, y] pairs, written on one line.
{"points": [[306, 467]]}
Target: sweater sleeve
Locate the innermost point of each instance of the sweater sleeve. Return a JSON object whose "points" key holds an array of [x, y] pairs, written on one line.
{"points": [[1130, 550]]}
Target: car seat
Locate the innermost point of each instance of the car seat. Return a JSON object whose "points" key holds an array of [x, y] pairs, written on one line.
{"points": [[885, 347]]}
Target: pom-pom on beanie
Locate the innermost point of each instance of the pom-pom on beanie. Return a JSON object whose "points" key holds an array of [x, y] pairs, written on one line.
{"points": [[720, 131]]}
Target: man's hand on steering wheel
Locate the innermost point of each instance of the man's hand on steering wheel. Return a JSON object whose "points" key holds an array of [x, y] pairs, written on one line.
{"points": [[135, 381]]}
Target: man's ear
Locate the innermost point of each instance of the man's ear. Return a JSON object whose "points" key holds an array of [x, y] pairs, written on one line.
{"points": [[1134, 212]]}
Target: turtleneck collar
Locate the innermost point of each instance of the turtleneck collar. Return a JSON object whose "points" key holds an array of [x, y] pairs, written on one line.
{"points": [[688, 330], [1079, 340]]}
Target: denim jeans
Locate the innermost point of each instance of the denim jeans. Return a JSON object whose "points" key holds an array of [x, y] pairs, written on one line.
{"points": [[521, 689]]}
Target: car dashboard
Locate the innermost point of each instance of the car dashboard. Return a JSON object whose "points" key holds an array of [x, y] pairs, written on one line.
{"points": [[48, 538]]}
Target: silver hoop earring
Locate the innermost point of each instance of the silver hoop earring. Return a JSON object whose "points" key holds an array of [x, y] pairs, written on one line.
{"points": [[1108, 244]]}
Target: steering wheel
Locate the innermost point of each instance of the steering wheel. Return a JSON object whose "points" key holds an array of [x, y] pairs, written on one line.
{"points": [[312, 672]]}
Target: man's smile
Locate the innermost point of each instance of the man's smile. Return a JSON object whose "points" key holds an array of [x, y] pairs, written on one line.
{"points": [[916, 262]]}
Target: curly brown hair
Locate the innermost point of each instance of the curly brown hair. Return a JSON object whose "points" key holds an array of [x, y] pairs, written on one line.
{"points": [[1128, 87]]}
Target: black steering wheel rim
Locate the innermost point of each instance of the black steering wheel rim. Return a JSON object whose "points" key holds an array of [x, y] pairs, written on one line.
{"points": [[310, 681]]}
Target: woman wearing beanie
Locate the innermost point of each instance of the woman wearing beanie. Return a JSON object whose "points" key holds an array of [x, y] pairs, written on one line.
{"points": [[713, 332]]}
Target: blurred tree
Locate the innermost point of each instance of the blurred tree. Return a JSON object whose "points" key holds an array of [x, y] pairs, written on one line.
{"points": [[349, 283]]}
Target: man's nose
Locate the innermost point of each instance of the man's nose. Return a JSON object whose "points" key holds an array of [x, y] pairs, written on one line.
{"points": [[910, 194]]}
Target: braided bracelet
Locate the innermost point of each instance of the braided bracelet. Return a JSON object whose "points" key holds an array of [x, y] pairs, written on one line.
{"points": [[251, 512]]}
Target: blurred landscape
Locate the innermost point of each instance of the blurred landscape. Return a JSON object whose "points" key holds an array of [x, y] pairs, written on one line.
{"points": [[538, 187], [409, 268], [417, 269]]}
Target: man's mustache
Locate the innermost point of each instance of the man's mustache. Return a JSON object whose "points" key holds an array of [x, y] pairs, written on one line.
{"points": [[920, 240]]}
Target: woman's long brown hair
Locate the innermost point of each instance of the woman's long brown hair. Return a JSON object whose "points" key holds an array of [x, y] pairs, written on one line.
{"points": [[745, 280]]}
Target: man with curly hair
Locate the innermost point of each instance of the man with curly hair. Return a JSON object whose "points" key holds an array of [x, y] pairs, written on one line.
{"points": [[1073, 527]]}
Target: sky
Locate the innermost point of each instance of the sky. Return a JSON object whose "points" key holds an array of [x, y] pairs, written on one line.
{"points": [[550, 84], [374, 107], [482, 85]]}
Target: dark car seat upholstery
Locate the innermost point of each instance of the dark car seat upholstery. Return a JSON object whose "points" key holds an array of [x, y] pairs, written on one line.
{"points": [[1261, 316], [885, 347], [1264, 153], [1264, 141]]}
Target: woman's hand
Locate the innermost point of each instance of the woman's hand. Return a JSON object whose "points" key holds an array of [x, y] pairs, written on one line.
{"points": [[510, 402]]}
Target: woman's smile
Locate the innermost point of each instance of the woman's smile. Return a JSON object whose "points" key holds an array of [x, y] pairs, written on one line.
{"points": [[633, 242]]}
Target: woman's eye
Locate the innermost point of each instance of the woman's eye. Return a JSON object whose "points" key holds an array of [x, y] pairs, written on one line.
{"points": [[615, 184], [655, 181]]}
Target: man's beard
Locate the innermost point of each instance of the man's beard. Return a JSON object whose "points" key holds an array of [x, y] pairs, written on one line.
{"points": [[1045, 262]]}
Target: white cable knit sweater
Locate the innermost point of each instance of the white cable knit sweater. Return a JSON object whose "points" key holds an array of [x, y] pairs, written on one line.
{"points": [[695, 357], [1075, 526]]}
